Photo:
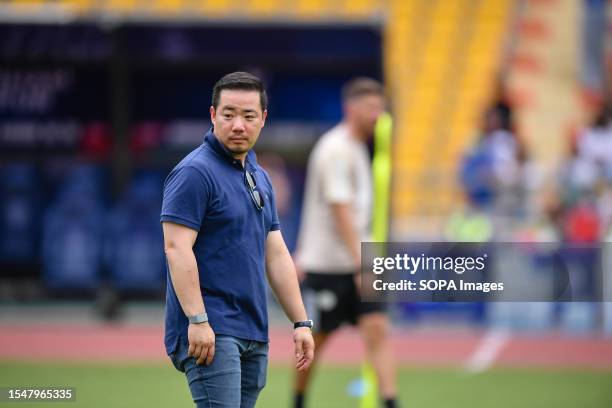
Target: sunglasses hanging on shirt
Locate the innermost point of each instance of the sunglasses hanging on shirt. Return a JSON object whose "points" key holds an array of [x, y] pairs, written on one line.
{"points": [[255, 195]]}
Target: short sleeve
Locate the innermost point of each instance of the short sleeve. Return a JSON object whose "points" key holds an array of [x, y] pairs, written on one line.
{"points": [[186, 195], [274, 222], [337, 182]]}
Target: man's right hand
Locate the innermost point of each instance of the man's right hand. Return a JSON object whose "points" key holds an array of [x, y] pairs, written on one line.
{"points": [[201, 339]]}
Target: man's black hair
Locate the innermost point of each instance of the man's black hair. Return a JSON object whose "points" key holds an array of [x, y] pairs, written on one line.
{"points": [[240, 81], [361, 86]]}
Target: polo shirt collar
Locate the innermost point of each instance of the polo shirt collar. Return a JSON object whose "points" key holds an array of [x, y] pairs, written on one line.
{"points": [[211, 140]]}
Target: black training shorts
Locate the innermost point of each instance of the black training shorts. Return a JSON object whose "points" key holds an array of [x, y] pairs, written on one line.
{"points": [[332, 299]]}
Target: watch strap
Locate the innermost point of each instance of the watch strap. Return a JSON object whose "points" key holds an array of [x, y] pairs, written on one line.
{"points": [[305, 323], [199, 318]]}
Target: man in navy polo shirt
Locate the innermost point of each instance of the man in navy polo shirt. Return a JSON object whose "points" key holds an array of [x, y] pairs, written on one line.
{"points": [[221, 237]]}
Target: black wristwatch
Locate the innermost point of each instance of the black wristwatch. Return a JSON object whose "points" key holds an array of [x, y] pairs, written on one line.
{"points": [[305, 323]]}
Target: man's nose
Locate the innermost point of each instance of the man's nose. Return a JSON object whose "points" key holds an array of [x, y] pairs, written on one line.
{"points": [[238, 125]]}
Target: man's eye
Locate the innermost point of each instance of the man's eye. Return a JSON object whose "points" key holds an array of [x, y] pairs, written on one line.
{"points": [[227, 116], [250, 117]]}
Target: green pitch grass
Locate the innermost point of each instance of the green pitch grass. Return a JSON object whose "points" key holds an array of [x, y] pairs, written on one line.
{"points": [[159, 385]]}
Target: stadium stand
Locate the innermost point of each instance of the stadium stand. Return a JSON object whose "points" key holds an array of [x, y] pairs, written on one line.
{"points": [[72, 233], [543, 77], [19, 214], [442, 62], [133, 245]]}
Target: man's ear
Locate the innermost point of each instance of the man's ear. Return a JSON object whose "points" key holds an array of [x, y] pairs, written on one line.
{"points": [[264, 116], [213, 114]]}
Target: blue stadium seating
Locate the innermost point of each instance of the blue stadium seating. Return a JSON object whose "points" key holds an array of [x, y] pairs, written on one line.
{"points": [[133, 238], [19, 214], [72, 232]]}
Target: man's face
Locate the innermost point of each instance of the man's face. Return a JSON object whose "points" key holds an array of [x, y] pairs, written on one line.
{"points": [[492, 122], [238, 120], [364, 111]]}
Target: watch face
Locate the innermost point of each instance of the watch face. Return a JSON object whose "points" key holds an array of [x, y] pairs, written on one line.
{"points": [[305, 323]]}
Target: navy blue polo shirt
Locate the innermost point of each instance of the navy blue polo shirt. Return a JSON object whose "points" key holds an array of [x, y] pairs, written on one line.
{"points": [[207, 192]]}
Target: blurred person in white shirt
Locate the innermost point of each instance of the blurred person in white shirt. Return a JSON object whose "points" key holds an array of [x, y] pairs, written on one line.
{"points": [[335, 220]]}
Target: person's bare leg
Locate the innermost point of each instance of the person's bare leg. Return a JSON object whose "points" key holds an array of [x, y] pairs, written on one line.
{"points": [[374, 328], [302, 378]]}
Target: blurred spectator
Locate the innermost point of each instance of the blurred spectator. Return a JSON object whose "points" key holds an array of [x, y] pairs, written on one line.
{"points": [[595, 142], [593, 48], [587, 174], [493, 165], [582, 225], [502, 145], [502, 106], [580, 214], [498, 176], [476, 176], [518, 181], [578, 176]]}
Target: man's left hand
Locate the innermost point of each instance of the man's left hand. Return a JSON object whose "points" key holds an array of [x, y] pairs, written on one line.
{"points": [[304, 347]]}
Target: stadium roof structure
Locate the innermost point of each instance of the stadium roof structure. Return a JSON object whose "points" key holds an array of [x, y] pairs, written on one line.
{"points": [[176, 11]]}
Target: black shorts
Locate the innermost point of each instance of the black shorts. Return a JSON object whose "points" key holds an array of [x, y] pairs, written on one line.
{"points": [[332, 299]]}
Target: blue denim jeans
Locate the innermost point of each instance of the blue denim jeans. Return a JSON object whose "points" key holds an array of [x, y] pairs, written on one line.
{"points": [[234, 378]]}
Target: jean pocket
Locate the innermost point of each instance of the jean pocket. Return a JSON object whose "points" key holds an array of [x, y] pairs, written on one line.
{"points": [[175, 363]]}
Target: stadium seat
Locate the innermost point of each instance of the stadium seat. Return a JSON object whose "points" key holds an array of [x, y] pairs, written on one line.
{"points": [[133, 250], [440, 69], [72, 233], [19, 214]]}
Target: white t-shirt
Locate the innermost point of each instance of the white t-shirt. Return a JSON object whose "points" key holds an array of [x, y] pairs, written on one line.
{"points": [[596, 145], [338, 173]]}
